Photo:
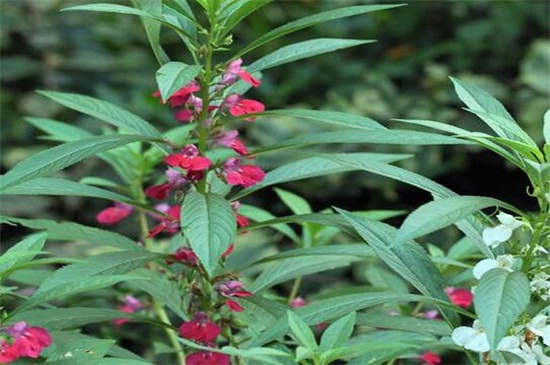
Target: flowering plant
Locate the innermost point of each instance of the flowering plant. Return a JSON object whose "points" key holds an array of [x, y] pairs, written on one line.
{"points": [[191, 270]]}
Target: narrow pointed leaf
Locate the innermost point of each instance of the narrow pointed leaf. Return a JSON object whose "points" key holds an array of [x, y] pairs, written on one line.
{"points": [[440, 213], [208, 223], [338, 332], [301, 331], [59, 157], [59, 131], [311, 21], [501, 296], [303, 50], [547, 127], [240, 10], [330, 117], [22, 251], [152, 27], [173, 76]]}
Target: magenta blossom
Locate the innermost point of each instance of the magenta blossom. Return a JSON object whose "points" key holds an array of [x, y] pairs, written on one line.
{"points": [[229, 139], [234, 70], [207, 358], [239, 107], [131, 305], [23, 341], [113, 215], [188, 159], [181, 96], [200, 329], [244, 175]]}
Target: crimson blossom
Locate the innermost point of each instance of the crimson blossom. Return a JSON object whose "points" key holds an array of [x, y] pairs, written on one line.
{"points": [[23, 341]]}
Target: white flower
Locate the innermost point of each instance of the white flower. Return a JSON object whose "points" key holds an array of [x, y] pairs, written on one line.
{"points": [[503, 261], [540, 284], [494, 236], [471, 338], [513, 345], [539, 326], [539, 354]]}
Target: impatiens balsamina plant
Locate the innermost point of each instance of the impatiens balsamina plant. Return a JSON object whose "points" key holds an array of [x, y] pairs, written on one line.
{"points": [[197, 290]]}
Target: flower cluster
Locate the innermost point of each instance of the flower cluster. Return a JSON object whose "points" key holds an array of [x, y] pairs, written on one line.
{"points": [[21, 340]]}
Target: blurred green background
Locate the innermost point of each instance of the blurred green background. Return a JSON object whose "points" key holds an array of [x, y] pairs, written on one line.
{"points": [[501, 45]]}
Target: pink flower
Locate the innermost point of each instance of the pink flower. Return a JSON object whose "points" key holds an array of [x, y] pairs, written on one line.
{"points": [[245, 175], [242, 221], [233, 70], [429, 358], [229, 139], [200, 329], [246, 106], [207, 358], [181, 96], [171, 224], [233, 306], [131, 305], [228, 251], [158, 191], [431, 314], [184, 115], [460, 297], [297, 302], [232, 288], [25, 342], [188, 159], [114, 214]]}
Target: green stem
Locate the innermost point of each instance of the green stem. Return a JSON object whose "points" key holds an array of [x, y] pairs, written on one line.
{"points": [[539, 226], [294, 290]]}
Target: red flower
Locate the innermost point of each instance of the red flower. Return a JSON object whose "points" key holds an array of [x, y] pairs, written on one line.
{"points": [[249, 79], [233, 70], [460, 297], [229, 139], [158, 191], [199, 329], [184, 115], [429, 358], [170, 225], [245, 175], [185, 255], [232, 288], [131, 305], [188, 159], [27, 342], [228, 251], [246, 106], [233, 306], [181, 96], [207, 358], [113, 215]]}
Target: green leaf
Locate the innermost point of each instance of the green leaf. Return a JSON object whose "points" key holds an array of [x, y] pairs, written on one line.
{"points": [[328, 309], [160, 288], [59, 157], [110, 263], [92, 349], [406, 258], [385, 321], [547, 127], [105, 111], [69, 231], [301, 331], [389, 136], [208, 223], [67, 289], [65, 318], [59, 131], [291, 268], [357, 250], [301, 50], [295, 203], [173, 76], [338, 332], [501, 296], [238, 11], [479, 100], [260, 215], [152, 27], [443, 212], [54, 186], [311, 21], [22, 251], [319, 165], [103, 361], [329, 117]]}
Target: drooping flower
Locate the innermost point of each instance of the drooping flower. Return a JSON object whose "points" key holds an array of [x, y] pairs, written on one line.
{"points": [[471, 338], [242, 221], [185, 255], [233, 70], [494, 236], [113, 215], [168, 224], [430, 358], [200, 329], [158, 191], [239, 107], [181, 96], [188, 159], [183, 115], [502, 261], [131, 305], [244, 175], [229, 139], [232, 288], [519, 348], [207, 358], [540, 326], [24, 341], [460, 297]]}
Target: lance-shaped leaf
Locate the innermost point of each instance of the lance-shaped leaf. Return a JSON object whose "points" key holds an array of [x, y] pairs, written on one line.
{"points": [[500, 297], [173, 76], [105, 111], [59, 157], [152, 27], [301, 50], [54, 186], [22, 251], [237, 11], [338, 332], [547, 127], [208, 223], [407, 258], [311, 21], [443, 212]]}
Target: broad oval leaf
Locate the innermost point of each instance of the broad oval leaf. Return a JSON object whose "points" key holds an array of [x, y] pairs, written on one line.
{"points": [[440, 213], [501, 296], [173, 76], [59, 157], [208, 223]]}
